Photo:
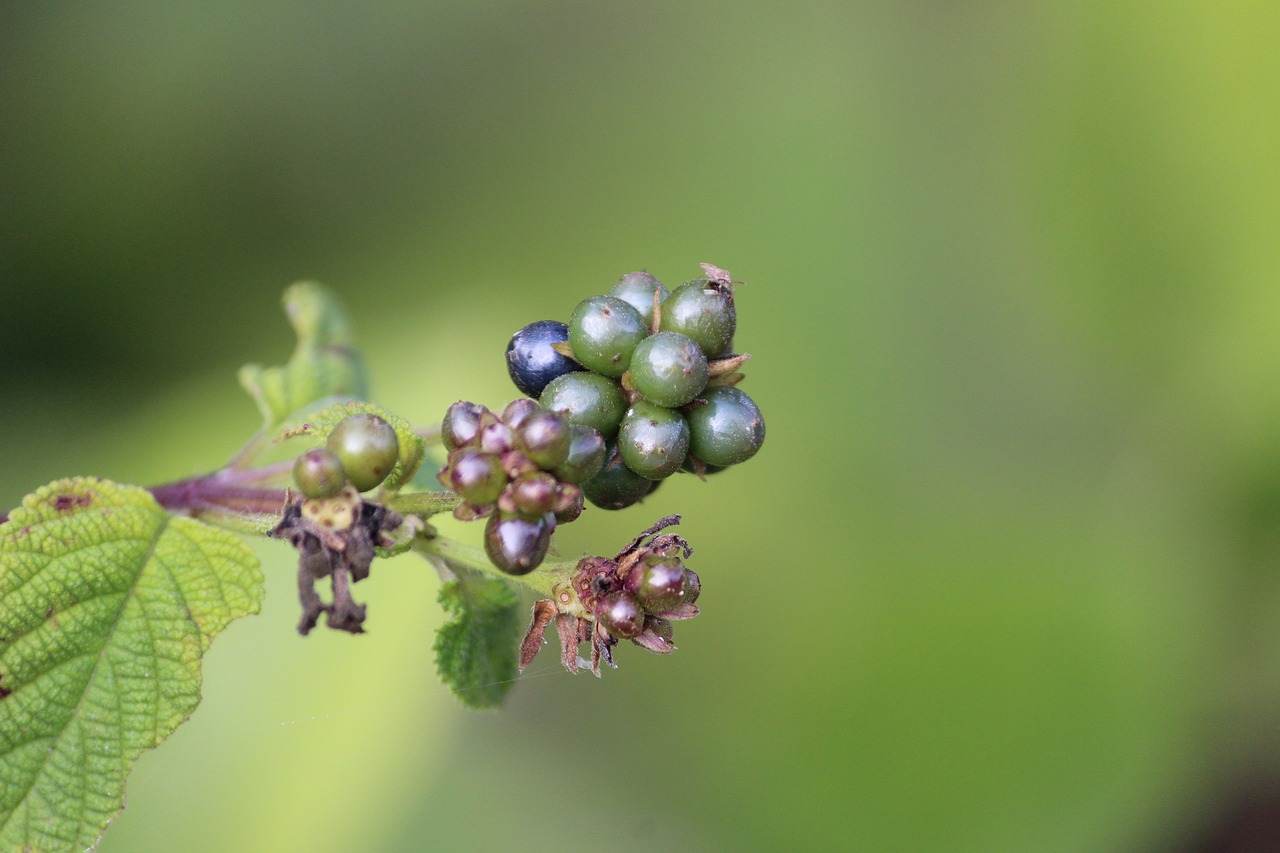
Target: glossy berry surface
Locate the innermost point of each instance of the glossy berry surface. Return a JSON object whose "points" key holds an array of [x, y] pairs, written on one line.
{"points": [[621, 614], [702, 312], [729, 429], [544, 437], [518, 411], [368, 448], [668, 369], [586, 455], [653, 440], [531, 361], [461, 423], [516, 545], [662, 586], [603, 332], [476, 476], [534, 494], [616, 486], [637, 289], [319, 474], [587, 399]]}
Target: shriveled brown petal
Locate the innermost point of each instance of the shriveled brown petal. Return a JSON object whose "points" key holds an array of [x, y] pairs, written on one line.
{"points": [[570, 633], [543, 612], [650, 641]]}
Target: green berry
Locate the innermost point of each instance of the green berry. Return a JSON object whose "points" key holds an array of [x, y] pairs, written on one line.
{"points": [[637, 289], [603, 331], [544, 438], [588, 399], [319, 474], [703, 312], [729, 429], [517, 545], [586, 455], [668, 369], [653, 441], [616, 486], [368, 448]]}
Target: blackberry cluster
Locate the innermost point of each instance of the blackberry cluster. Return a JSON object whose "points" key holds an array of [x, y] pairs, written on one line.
{"points": [[653, 372], [521, 470]]}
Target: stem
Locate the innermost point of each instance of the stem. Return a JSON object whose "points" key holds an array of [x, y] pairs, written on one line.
{"points": [[221, 493], [457, 555], [424, 504]]}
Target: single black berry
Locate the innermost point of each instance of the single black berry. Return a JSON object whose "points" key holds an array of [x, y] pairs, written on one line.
{"points": [[603, 332], [616, 486], [586, 455], [729, 429], [368, 448], [588, 399], [532, 362], [319, 474], [704, 312], [653, 440], [517, 545], [637, 289], [668, 369]]}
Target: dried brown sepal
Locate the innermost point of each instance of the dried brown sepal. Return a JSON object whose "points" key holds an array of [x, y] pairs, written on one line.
{"points": [[565, 350], [724, 366], [543, 612], [722, 280], [471, 512]]}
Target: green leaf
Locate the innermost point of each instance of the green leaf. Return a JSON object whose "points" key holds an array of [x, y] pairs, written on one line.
{"points": [[107, 604], [324, 364], [412, 447], [476, 648]]}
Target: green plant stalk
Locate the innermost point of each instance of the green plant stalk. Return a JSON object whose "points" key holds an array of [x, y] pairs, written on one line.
{"points": [[457, 555]]}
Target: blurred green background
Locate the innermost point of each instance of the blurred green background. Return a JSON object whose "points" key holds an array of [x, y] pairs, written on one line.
{"points": [[1005, 575]]}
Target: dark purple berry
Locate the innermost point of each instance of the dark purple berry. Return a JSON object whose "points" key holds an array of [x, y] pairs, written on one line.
{"points": [[621, 614], [461, 424], [518, 410], [662, 586], [586, 455], [534, 495], [532, 362], [544, 437], [517, 545]]}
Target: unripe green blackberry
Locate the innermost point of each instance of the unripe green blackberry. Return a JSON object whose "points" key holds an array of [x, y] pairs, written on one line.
{"points": [[668, 369], [588, 399], [603, 331], [637, 289], [319, 474], [727, 430], [368, 448], [653, 441], [704, 312]]}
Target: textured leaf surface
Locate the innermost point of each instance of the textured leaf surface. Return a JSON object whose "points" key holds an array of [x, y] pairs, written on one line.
{"points": [[476, 648], [412, 448], [107, 604], [324, 364]]}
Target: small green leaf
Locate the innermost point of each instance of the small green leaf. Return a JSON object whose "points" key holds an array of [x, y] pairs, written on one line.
{"points": [[107, 604], [476, 648], [324, 364], [412, 447]]}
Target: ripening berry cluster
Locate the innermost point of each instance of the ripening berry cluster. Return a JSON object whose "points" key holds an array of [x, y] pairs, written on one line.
{"points": [[652, 594], [654, 373], [520, 470]]}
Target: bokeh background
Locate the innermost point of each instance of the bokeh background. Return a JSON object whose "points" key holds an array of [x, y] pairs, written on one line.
{"points": [[1006, 574]]}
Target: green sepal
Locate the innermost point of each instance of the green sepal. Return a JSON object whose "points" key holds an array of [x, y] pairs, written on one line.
{"points": [[107, 605], [324, 364], [476, 649], [412, 448]]}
